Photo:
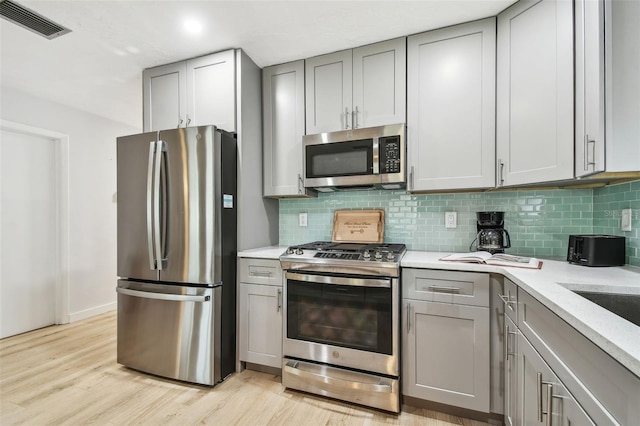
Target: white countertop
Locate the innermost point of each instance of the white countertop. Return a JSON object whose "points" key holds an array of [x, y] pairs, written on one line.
{"points": [[271, 252], [616, 336], [549, 285]]}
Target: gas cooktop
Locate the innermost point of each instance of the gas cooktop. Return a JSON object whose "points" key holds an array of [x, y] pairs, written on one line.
{"points": [[369, 259]]}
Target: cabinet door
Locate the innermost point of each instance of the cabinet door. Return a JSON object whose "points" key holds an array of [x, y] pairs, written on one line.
{"points": [[622, 85], [535, 92], [379, 84], [165, 97], [283, 118], [328, 92], [590, 92], [260, 320], [446, 354], [211, 91], [543, 394], [451, 107], [510, 357]]}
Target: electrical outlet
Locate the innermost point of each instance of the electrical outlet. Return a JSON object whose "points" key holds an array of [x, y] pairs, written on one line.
{"points": [[302, 219], [450, 219], [625, 220]]}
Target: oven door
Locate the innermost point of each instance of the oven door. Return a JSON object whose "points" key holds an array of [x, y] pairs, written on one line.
{"points": [[344, 320]]}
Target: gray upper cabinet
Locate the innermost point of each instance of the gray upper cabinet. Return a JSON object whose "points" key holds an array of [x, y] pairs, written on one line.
{"points": [[535, 98], [607, 93], [165, 96], [196, 92], [283, 124], [451, 107], [362, 87]]}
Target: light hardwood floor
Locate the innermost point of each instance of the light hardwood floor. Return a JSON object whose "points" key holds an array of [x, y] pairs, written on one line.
{"points": [[68, 375]]}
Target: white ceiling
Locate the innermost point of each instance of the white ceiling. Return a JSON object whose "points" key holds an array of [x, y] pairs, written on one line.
{"points": [[98, 66]]}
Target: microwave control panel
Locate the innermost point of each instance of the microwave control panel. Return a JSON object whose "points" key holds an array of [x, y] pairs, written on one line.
{"points": [[389, 148]]}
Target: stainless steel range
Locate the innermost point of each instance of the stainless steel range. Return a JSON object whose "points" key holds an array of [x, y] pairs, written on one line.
{"points": [[342, 325]]}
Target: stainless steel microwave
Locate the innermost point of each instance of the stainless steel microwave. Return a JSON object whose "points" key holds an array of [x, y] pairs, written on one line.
{"points": [[373, 157]]}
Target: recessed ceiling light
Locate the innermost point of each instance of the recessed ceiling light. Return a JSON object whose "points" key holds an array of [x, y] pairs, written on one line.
{"points": [[193, 26]]}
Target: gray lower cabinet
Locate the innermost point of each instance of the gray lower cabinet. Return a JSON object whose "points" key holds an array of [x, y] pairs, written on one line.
{"points": [[558, 367], [544, 398], [260, 312], [446, 343], [510, 354]]}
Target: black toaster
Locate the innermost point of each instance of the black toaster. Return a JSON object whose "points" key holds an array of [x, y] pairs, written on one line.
{"points": [[596, 250]]}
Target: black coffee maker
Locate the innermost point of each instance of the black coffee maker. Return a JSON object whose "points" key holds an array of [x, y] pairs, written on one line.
{"points": [[492, 236]]}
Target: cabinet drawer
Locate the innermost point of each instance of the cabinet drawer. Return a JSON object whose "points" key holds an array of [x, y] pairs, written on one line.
{"points": [[465, 288], [607, 391], [260, 271]]}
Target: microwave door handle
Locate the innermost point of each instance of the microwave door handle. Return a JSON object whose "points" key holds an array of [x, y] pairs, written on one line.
{"points": [[376, 156]]}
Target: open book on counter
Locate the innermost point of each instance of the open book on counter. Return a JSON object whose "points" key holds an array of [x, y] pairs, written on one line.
{"points": [[499, 259]]}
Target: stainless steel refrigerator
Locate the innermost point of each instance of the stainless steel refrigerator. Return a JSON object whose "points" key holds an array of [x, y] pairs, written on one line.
{"points": [[177, 253]]}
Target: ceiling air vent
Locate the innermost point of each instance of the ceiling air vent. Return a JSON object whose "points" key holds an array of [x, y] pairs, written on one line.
{"points": [[30, 20]]}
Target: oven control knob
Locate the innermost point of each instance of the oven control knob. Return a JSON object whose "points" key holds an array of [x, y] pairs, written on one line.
{"points": [[290, 250], [378, 255], [366, 254], [299, 251], [390, 256]]}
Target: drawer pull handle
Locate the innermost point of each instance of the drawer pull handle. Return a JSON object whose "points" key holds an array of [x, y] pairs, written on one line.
{"points": [[448, 290], [549, 412], [261, 273]]}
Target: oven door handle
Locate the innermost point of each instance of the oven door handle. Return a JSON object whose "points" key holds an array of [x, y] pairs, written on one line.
{"points": [[326, 279], [292, 367]]}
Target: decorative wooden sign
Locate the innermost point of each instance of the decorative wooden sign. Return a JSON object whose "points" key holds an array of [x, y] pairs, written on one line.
{"points": [[358, 226]]}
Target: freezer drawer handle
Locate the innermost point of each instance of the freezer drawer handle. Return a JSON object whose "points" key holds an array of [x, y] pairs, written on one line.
{"points": [[293, 367], [163, 296]]}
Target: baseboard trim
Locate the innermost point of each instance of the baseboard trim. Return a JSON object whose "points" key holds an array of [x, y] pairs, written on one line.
{"points": [[491, 418], [91, 312]]}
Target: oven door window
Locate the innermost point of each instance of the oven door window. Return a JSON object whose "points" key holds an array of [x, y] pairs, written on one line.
{"points": [[351, 158], [347, 316]]}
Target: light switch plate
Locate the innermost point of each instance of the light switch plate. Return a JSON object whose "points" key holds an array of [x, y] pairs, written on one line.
{"points": [[450, 219], [302, 219], [625, 220]]}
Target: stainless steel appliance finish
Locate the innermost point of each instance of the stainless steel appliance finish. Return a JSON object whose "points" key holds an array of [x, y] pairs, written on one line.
{"points": [[373, 157], [169, 330], [177, 237], [345, 258], [353, 386], [342, 323]]}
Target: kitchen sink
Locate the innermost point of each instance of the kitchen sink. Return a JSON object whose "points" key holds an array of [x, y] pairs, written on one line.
{"points": [[626, 306]]}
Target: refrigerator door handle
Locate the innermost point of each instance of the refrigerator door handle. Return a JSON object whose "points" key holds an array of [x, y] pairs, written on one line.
{"points": [[163, 296], [156, 204], [150, 235]]}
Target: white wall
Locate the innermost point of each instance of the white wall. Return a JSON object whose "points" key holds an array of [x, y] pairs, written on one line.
{"points": [[92, 185]]}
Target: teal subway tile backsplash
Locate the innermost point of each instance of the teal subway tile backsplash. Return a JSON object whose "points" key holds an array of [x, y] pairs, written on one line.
{"points": [[539, 222], [607, 205]]}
